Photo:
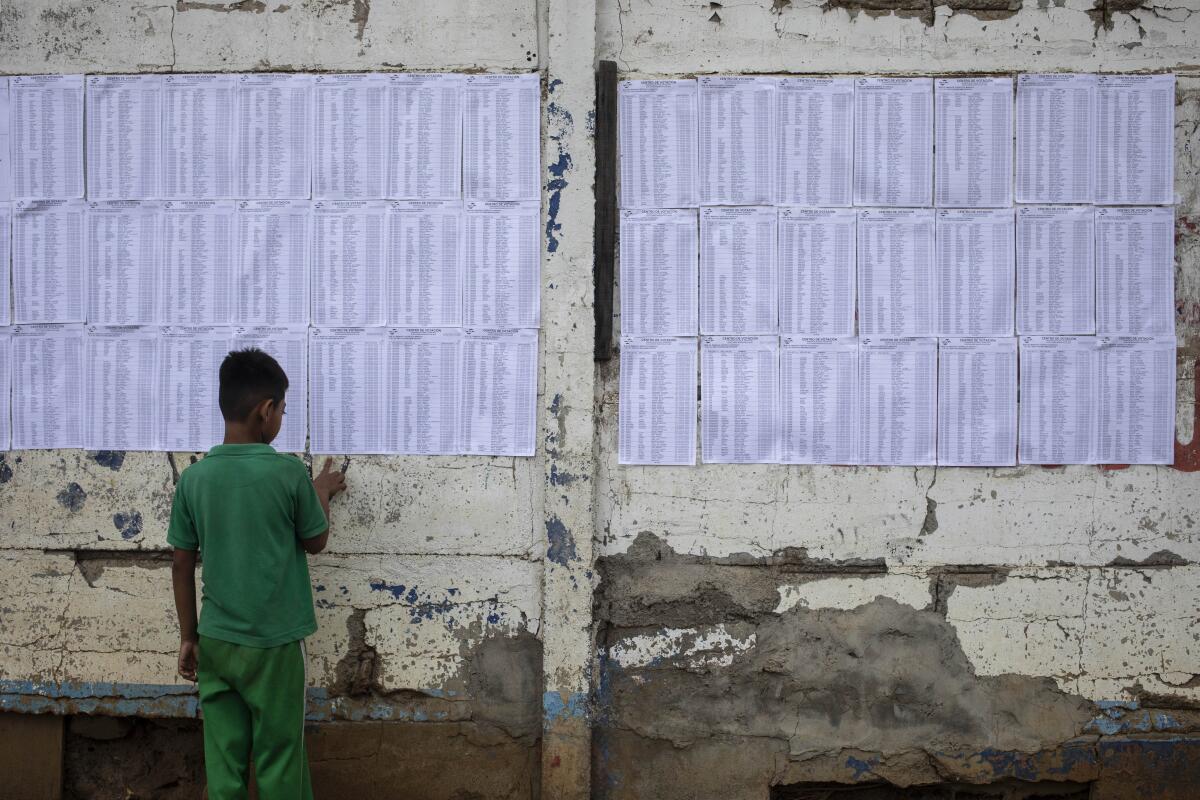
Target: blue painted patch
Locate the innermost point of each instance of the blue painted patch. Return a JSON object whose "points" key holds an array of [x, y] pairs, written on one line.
{"points": [[493, 618], [554, 84], [562, 543], [6, 472], [320, 587], [130, 525], [555, 404], [861, 767], [1124, 717], [72, 498], [113, 459], [553, 226], [180, 700], [563, 478], [554, 708], [395, 589]]}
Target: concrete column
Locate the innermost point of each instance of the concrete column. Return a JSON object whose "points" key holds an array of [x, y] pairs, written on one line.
{"points": [[567, 432]]}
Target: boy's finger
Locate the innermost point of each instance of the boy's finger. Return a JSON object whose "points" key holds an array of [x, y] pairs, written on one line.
{"points": [[327, 467]]}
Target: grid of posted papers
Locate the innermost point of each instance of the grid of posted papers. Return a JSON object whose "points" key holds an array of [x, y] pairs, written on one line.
{"points": [[898, 271], [377, 233]]}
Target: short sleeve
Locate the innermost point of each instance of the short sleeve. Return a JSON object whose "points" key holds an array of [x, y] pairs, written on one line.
{"points": [[181, 533], [310, 517]]}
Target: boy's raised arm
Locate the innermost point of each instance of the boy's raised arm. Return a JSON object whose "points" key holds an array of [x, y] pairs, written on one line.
{"points": [[183, 582], [328, 484]]}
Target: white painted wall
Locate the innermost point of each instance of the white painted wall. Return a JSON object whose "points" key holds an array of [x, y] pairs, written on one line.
{"points": [[1069, 621], [478, 525], [463, 535]]}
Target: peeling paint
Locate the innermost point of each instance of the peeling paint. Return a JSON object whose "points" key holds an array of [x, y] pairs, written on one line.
{"points": [[561, 548]]}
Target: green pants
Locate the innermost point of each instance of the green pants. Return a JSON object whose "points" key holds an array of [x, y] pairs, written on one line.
{"points": [[252, 699]]}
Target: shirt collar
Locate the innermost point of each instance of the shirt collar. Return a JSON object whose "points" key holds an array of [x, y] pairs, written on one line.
{"points": [[240, 449]]}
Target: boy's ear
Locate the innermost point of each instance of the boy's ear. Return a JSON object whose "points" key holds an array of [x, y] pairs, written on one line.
{"points": [[265, 408]]}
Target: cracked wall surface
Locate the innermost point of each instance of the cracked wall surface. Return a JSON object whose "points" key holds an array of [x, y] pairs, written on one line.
{"points": [[752, 626], [430, 597], [905, 626]]}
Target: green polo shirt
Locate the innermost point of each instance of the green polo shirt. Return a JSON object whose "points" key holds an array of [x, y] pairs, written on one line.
{"points": [[246, 507]]}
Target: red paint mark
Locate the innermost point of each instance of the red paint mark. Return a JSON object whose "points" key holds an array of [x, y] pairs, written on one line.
{"points": [[1113, 467], [556, 762], [1187, 456], [1188, 312], [1184, 227]]}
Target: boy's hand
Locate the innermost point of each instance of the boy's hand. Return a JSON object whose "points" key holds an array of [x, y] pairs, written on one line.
{"points": [[330, 482], [189, 654]]}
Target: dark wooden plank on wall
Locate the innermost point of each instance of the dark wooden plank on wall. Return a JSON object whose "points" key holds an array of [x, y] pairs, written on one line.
{"points": [[606, 205]]}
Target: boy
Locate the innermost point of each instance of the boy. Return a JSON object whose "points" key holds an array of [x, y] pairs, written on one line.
{"points": [[252, 514]]}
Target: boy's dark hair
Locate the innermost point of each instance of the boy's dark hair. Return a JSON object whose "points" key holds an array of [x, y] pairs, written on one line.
{"points": [[247, 378]]}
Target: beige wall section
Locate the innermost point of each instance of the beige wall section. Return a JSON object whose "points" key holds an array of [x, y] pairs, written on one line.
{"points": [[432, 560], [1080, 623], [202, 36]]}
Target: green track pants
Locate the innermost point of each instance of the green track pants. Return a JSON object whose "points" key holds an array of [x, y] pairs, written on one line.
{"points": [[252, 700]]}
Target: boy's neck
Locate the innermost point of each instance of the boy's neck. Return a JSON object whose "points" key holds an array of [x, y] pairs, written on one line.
{"points": [[243, 433]]}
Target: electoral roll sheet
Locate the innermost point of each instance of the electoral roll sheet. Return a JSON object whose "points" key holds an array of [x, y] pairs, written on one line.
{"points": [[502, 265], [659, 272], [6, 364], [818, 400], [350, 136], [425, 263], [896, 277], [657, 140], [815, 141], [1056, 270], [817, 265], [738, 292], [274, 136], [501, 137], [893, 141], [976, 273], [289, 347], [124, 136], [657, 413], [424, 371], [348, 262], [189, 363], [498, 406], [1136, 386], [977, 402], [198, 141], [1135, 147], [197, 254], [6, 188], [5, 264], [47, 365], [49, 270], [46, 136], [1135, 270], [1056, 138], [1059, 406], [739, 392], [348, 390], [122, 255], [898, 411], [425, 136], [271, 282], [737, 140], [974, 124], [120, 406]]}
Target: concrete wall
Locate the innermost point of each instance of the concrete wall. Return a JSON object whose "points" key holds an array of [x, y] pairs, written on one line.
{"points": [[769, 626], [431, 599], [721, 629]]}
